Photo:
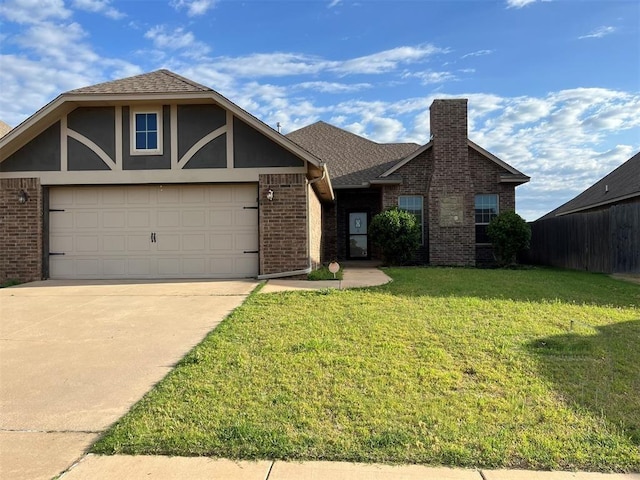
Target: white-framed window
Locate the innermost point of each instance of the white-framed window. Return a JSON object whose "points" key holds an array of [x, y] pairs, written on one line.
{"points": [[146, 131], [413, 204], [487, 209]]}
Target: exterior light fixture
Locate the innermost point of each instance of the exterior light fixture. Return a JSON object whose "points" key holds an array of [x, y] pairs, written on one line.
{"points": [[23, 197], [270, 195]]}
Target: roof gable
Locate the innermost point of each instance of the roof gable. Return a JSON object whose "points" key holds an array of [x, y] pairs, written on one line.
{"points": [[620, 184]]}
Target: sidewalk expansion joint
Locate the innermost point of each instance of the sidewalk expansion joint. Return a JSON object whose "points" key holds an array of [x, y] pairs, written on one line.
{"points": [[269, 472], [26, 430]]}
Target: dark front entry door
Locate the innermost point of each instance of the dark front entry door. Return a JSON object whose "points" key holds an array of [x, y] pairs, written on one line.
{"points": [[358, 246]]}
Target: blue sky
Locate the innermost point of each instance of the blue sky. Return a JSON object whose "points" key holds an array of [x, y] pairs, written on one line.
{"points": [[553, 86]]}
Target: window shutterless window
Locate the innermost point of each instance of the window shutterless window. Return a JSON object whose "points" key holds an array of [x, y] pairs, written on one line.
{"points": [[485, 211], [146, 132], [413, 204]]}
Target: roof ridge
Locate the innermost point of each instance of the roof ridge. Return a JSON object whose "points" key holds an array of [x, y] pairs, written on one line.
{"points": [[183, 79]]}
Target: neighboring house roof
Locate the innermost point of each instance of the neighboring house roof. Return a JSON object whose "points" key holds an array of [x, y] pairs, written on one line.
{"points": [[4, 128], [621, 184], [357, 162], [352, 159], [157, 86]]}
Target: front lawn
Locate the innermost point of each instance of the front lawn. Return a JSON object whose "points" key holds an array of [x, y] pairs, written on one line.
{"points": [[531, 369]]}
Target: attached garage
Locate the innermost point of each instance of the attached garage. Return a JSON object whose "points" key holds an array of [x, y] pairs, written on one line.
{"points": [[153, 231]]}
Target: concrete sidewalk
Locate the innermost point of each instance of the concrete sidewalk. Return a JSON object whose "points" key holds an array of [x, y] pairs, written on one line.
{"points": [[354, 277], [94, 467]]}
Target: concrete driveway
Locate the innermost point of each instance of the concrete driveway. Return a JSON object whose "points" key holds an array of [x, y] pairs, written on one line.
{"points": [[75, 356]]}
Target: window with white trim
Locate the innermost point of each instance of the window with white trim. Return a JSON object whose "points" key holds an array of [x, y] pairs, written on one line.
{"points": [[146, 132], [486, 210], [413, 204]]}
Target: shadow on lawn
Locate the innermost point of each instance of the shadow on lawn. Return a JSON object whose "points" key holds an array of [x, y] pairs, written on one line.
{"points": [[528, 285], [597, 368]]}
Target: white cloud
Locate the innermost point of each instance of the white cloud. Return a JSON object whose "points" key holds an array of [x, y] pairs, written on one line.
{"points": [[430, 77], [333, 87], [194, 7], [599, 32], [177, 39], [33, 11], [334, 3], [478, 53], [519, 3], [387, 60], [99, 6]]}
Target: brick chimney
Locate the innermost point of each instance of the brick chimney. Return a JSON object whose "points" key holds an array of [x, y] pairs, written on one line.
{"points": [[451, 193]]}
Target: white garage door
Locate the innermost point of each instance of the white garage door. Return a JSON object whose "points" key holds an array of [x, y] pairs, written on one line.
{"points": [[169, 231]]}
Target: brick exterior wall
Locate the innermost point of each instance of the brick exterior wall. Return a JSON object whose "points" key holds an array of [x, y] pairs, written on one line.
{"points": [[315, 228], [284, 241], [20, 230], [416, 178], [485, 174], [452, 191]]}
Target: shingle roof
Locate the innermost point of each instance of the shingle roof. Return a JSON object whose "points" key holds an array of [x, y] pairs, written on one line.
{"points": [[622, 183], [352, 160], [160, 81], [4, 129]]}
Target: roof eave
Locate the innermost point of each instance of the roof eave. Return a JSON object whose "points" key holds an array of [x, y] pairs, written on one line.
{"points": [[517, 179], [599, 204], [386, 181]]}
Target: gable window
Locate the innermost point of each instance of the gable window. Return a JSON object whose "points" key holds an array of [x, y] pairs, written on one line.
{"points": [[146, 132], [486, 210], [413, 204]]}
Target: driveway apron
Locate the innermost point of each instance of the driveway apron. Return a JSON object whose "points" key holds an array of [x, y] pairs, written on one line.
{"points": [[75, 356]]}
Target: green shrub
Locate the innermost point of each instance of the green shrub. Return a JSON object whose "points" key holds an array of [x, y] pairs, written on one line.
{"points": [[397, 234], [509, 234]]}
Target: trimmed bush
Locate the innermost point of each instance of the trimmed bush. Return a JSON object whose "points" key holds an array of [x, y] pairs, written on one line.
{"points": [[509, 234], [397, 234]]}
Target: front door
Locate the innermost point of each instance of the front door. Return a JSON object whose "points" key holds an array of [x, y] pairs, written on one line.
{"points": [[358, 241]]}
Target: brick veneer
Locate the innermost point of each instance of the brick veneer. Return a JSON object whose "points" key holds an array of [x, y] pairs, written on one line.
{"points": [[284, 245], [452, 192], [20, 230], [416, 178]]}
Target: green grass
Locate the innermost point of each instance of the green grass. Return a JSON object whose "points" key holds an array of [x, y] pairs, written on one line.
{"points": [[323, 273], [470, 368], [12, 282]]}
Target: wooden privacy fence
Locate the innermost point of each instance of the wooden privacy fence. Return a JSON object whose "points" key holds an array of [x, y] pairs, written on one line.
{"points": [[605, 241]]}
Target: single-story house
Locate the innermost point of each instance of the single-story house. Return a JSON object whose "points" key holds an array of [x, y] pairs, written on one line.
{"points": [[157, 176], [598, 230]]}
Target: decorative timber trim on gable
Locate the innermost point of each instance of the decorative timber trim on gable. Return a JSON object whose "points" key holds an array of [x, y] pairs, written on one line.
{"points": [[181, 165]]}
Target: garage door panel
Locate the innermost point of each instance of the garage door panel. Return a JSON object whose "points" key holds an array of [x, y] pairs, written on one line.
{"points": [[168, 242], [86, 220], [114, 219], [246, 218], [114, 243], [221, 242], [139, 243], [175, 231], [139, 219], [220, 218], [115, 267], [87, 243], [168, 218]]}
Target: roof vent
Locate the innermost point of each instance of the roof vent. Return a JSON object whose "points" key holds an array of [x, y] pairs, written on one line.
{"points": [[606, 188]]}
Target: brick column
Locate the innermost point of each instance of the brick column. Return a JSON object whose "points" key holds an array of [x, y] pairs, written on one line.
{"points": [[451, 194], [20, 230], [284, 239]]}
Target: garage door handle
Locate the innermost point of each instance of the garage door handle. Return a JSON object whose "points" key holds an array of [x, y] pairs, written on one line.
{"points": [[251, 251], [55, 253], [153, 238]]}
